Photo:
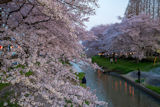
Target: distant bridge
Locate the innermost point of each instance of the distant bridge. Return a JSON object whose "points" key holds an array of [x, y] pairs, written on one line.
{"points": [[148, 7]]}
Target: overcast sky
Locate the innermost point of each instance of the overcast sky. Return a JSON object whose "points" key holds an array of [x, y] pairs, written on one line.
{"points": [[108, 12]]}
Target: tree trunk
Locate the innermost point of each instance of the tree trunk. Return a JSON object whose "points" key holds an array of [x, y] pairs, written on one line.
{"points": [[153, 9]]}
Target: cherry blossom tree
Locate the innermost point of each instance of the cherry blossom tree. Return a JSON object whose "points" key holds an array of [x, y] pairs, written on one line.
{"points": [[134, 36], [98, 30], [43, 37], [92, 46]]}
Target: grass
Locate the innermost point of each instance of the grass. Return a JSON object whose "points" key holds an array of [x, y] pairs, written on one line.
{"points": [[3, 85], [83, 85], [123, 65], [29, 73], [154, 88], [80, 75]]}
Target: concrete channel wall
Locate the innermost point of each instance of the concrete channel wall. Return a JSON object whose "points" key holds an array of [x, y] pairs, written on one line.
{"points": [[148, 91]]}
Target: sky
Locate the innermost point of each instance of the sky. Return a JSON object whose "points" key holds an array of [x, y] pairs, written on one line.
{"points": [[108, 12]]}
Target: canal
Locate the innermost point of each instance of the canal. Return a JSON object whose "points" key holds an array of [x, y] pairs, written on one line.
{"points": [[117, 92]]}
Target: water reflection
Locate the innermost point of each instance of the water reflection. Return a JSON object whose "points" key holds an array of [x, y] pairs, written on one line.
{"points": [[126, 87], [118, 92], [133, 91], [120, 83], [116, 87]]}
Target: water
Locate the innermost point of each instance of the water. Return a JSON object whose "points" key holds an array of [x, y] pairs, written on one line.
{"points": [[76, 67], [114, 90], [117, 92], [155, 71]]}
